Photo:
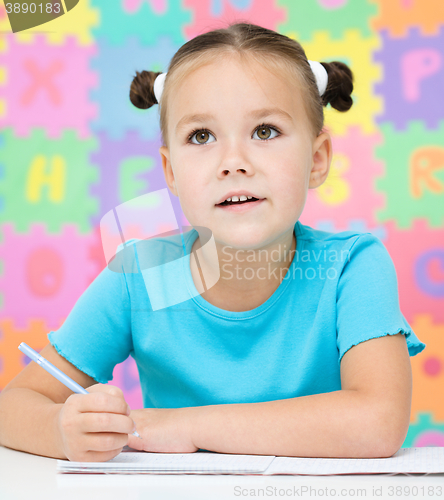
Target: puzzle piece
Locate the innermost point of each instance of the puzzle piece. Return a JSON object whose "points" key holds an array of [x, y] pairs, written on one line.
{"points": [[418, 255], [348, 190], [12, 360], [414, 180], [46, 180], [413, 70], [49, 272], [128, 168], [428, 367], [76, 23], [2, 167], [3, 49], [397, 16], [213, 14], [117, 67], [95, 250], [424, 432], [119, 24], [47, 86], [357, 52], [4, 21], [334, 16], [126, 376]]}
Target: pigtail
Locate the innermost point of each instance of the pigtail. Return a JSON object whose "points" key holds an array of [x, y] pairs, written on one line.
{"points": [[340, 86], [142, 89]]}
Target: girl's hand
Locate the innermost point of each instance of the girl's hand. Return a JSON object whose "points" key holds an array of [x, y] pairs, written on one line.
{"points": [[163, 430], [94, 427]]}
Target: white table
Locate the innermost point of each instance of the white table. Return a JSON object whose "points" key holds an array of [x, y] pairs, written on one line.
{"points": [[29, 477]]}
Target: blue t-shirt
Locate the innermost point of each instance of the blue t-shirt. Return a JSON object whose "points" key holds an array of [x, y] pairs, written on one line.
{"points": [[340, 289]]}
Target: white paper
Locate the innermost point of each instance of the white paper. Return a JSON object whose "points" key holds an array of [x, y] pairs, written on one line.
{"points": [[202, 462], [406, 460]]}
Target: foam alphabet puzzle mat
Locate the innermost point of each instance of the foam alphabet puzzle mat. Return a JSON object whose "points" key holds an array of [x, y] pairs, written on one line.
{"points": [[73, 148]]}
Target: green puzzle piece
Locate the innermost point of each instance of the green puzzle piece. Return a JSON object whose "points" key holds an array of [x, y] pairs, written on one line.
{"points": [[129, 186], [306, 17], [403, 175], [46, 180]]}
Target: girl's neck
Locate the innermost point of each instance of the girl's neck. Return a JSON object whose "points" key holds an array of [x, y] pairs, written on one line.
{"points": [[247, 278]]}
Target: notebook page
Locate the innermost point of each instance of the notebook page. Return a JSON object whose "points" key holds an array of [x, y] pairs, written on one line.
{"points": [[175, 462], [405, 460]]}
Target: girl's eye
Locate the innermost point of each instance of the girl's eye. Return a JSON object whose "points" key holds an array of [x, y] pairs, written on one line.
{"points": [[201, 136], [264, 132]]}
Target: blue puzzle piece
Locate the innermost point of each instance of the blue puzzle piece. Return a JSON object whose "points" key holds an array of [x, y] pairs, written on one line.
{"points": [[116, 67]]}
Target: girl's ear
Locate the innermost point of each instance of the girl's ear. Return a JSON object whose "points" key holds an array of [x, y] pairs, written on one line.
{"points": [[167, 169], [322, 155]]}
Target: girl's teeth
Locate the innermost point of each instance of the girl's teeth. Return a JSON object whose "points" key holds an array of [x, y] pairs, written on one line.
{"points": [[237, 198]]}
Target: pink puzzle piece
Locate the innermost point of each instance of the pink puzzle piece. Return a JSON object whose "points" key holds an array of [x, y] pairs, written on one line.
{"points": [[261, 12], [348, 191], [44, 274], [47, 86], [126, 377], [418, 255]]}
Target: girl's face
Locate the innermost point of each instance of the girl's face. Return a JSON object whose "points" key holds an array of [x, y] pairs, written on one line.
{"points": [[255, 137]]}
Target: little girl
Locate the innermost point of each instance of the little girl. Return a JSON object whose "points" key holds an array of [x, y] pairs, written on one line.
{"points": [[298, 349]]}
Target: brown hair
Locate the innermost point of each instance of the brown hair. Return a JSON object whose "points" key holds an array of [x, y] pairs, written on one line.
{"points": [[271, 49]]}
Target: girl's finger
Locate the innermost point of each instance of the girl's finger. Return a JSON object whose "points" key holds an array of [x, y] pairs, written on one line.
{"points": [[105, 441], [112, 390], [101, 402], [101, 456], [106, 422]]}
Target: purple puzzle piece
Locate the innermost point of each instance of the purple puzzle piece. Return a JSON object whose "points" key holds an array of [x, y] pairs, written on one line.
{"points": [[109, 158], [413, 69]]}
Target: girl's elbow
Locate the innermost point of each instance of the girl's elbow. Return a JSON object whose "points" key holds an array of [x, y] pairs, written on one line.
{"points": [[391, 435]]}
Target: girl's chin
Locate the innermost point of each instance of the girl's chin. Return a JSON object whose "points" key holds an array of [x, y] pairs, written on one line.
{"points": [[251, 237], [239, 241]]}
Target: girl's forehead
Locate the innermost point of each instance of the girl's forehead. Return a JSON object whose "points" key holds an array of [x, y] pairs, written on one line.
{"points": [[232, 71], [232, 82]]}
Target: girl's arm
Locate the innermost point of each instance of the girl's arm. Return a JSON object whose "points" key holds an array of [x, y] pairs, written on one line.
{"points": [[28, 422], [368, 418], [35, 418], [31, 402]]}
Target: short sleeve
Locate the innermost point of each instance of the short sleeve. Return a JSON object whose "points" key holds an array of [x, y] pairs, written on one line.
{"points": [[367, 302], [96, 335]]}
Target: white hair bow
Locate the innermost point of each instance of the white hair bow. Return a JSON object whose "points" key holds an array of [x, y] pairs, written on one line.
{"points": [[320, 74]]}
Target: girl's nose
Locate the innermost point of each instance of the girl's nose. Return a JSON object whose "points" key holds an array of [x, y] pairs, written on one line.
{"points": [[235, 161], [231, 170]]}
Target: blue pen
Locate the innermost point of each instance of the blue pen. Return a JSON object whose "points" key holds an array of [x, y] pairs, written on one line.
{"points": [[55, 372]]}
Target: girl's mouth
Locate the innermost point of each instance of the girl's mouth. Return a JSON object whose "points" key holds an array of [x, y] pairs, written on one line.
{"points": [[240, 206]]}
